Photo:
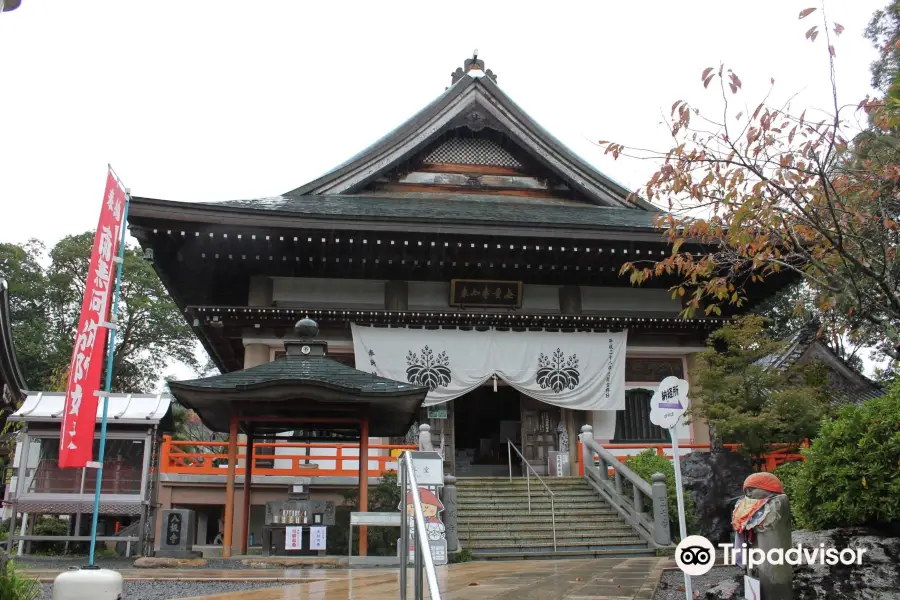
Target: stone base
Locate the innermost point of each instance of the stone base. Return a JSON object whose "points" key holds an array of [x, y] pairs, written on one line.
{"points": [[177, 554], [294, 562]]}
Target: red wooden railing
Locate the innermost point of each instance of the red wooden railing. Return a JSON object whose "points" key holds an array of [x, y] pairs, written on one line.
{"points": [[782, 453], [341, 460]]}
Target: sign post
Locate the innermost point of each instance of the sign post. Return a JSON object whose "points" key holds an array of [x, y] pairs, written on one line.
{"points": [[667, 406]]}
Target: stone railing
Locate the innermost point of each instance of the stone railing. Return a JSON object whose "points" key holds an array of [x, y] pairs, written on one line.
{"points": [[654, 528]]}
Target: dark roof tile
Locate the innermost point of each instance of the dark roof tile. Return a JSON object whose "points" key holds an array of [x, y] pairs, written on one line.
{"points": [[302, 369], [470, 208]]}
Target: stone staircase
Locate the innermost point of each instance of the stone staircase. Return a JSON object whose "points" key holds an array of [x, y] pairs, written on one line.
{"points": [[494, 522]]}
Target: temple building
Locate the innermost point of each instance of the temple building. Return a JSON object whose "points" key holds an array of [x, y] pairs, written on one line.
{"points": [[12, 384], [467, 252]]}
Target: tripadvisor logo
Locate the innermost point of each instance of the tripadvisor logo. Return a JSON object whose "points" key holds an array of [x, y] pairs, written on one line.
{"points": [[696, 555]]}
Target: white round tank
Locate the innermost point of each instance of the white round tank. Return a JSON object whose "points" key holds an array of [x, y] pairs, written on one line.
{"points": [[88, 584]]}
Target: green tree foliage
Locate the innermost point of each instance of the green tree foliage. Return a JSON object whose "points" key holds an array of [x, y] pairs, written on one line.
{"points": [[384, 497], [852, 471], [747, 401], [884, 33], [46, 291], [770, 191], [646, 464]]}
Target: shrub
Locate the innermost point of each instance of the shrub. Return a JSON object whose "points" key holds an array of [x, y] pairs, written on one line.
{"points": [[50, 526], [463, 556], [851, 473], [646, 464], [794, 479], [383, 497], [15, 586]]}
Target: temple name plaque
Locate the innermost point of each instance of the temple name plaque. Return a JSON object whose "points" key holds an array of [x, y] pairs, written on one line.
{"points": [[486, 292]]}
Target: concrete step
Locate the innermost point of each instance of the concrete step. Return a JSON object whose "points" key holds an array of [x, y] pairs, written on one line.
{"points": [[542, 501], [541, 524], [577, 553], [497, 482], [546, 545], [523, 494], [494, 521], [544, 536], [535, 506], [576, 515], [518, 481]]}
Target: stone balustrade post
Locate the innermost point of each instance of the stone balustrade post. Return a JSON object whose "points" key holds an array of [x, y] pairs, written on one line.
{"points": [[661, 533], [448, 494], [425, 443], [587, 455]]}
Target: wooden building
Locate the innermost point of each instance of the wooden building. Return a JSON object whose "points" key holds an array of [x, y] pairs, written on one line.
{"points": [[12, 388], [468, 196]]}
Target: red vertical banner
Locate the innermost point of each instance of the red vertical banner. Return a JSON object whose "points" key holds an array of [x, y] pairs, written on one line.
{"points": [[80, 415]]}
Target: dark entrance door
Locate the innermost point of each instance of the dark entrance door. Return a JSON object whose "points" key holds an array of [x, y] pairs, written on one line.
{"points": [[539, 423], [483, 421]]}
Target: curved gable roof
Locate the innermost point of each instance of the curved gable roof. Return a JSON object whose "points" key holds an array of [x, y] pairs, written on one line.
{"points": [[481, 101]]}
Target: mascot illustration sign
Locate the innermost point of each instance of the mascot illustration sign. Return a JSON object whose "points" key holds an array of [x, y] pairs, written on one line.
{"points": [[432, 507]]}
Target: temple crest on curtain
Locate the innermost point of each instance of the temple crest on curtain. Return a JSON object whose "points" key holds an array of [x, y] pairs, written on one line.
{"points": [[577, 370]]}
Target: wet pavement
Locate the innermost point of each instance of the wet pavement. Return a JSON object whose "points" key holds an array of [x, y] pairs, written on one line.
{"points": [[595, 579]]}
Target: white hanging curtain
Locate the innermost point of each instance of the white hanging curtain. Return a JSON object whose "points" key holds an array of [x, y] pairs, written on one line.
{"points": [[577, 370]]}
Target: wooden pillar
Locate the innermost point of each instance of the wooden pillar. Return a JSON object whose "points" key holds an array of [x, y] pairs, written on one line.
{"points": [[229, 486], [248, 474], [570, 300], [364, 484], [396, 295]]}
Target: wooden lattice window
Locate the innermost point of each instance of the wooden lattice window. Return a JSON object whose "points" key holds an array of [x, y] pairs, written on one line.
{"points": [[633, 424]]}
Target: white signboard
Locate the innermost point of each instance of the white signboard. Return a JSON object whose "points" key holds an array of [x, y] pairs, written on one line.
{"points": [[669, 402], [293, 538], [317, 537], [438, 551], [429, 468]]}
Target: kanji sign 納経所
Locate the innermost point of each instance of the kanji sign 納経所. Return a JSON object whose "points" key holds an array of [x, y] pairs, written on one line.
{"points": [[80, 414], [481, 292]]}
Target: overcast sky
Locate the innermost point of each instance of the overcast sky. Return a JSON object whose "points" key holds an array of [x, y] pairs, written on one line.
{"points": [[217, 100], [206, 100]]}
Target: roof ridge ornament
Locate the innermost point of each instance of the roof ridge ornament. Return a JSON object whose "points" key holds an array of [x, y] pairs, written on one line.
{"points": [[474, 67]]}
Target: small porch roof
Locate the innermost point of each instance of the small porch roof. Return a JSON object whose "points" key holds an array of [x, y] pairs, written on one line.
{"points": [[303, 387], [124, 409]]}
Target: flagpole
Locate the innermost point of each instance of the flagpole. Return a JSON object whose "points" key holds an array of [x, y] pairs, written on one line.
{"points": [[110, 355]]}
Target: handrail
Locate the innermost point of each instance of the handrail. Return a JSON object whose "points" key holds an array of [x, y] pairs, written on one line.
{"points": [[656, 529], [423, 548], [509, 444], [777, 455]]}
